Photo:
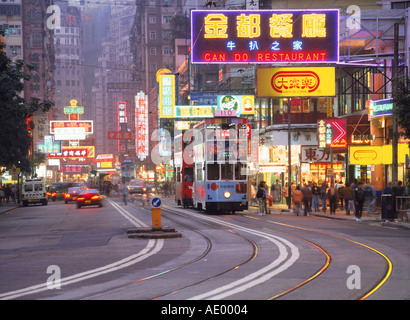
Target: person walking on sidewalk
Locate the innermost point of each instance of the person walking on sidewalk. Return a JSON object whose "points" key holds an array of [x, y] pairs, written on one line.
{"points": [[348, 197], [261, 196], [359, 197], [307, 199], [297, 199], [316, 196], [323, 190], [333, 197]]}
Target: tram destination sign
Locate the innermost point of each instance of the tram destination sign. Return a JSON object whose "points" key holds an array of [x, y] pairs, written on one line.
{"points": [[265, 36]]}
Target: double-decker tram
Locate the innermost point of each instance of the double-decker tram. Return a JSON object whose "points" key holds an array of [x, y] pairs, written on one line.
{"points": [[184, 168], [220, 165]]}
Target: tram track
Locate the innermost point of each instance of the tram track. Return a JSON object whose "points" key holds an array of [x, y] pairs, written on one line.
{"points": [[200, 257], [370, 291]]}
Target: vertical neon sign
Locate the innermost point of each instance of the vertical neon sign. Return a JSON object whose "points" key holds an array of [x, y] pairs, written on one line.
{"points": [[141, 124]]}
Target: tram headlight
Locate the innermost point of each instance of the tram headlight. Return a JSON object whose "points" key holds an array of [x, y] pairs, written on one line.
{"points": [[227, 194]]}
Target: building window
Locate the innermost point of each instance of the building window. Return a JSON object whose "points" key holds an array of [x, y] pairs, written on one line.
{"points": [[166, 19], [152, 35], [152, 19], [153, 51], [167, 51]]}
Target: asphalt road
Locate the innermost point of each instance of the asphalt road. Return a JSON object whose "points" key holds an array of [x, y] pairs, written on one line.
{"points": [[61, 252]]}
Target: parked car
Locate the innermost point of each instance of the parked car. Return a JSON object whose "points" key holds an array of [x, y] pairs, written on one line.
{"points": [[71, 194], [33, 191], [137, 186], [89, 197]]}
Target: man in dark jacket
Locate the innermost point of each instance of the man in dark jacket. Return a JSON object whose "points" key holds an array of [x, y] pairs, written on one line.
{"points": [[359, 197], [307, 199]]}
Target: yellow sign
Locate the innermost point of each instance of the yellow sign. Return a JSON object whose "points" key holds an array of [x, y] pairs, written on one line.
{"points": [[372, 155], [166, 95], [296, 82]]}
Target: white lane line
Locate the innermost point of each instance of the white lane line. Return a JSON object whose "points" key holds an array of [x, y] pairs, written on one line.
{"points": [[259, 276], [153, 247], [134, 220]]}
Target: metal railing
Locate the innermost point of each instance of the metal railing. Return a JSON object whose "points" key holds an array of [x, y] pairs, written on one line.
{"points": [[403, 207]]}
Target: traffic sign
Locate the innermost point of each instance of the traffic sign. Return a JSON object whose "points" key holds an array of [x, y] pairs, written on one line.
{"points": [[156, 202]]}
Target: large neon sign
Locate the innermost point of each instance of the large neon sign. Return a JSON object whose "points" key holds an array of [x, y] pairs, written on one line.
{"points": [[265, 36]]}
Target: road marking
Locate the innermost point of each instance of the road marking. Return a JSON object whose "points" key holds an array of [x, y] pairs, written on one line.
{"points": [[282, 263], [153, 247]]}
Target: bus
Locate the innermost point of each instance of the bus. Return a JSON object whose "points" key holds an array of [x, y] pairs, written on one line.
{"points": [[184, 168], [220, 165]]}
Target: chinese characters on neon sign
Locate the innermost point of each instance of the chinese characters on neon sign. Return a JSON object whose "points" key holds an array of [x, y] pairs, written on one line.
{"points": [[166, 95], [141, 122], [332, 133], [264, 36]]}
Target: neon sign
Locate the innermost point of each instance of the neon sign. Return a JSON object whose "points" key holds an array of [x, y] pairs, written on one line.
{"points": [[265, 36], [332, 133], [141, 122]]}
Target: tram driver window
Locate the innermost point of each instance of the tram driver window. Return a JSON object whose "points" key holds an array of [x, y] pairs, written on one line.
{"points": [[240, 171], [213, 171], [226, 171], [188, 175]]}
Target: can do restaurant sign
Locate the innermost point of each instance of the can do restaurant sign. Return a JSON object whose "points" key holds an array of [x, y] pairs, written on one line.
{"points": [[265, 36]]}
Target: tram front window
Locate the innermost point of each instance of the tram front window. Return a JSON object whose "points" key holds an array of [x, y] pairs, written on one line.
{"points": [[213, 171], [240, 171], [226, 171]]}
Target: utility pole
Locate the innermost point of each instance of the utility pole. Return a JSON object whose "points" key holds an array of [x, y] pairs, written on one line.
{"points": [[395, 91], [289, 157]]}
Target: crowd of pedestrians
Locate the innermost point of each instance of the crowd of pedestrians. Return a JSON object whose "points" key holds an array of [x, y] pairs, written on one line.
{"points": [[8, 194], [352, 197]]}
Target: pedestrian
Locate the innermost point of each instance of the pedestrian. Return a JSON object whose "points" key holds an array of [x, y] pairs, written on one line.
{"points": [[276, 191], [2, 194], [359, 197], [7, 191], [333, 197], [370, 197], [124, 192], [14, 193], [297, 199], [316, 196], [348, 197], [285, 194], [261, 196], [340, 190], [323, 190], [307, 199]]}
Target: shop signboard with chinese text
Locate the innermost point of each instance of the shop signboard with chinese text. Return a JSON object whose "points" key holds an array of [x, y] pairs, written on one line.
{"points": [[296, 82], [74, 152], [166, 95], [87, 124], [332, 133], [265, 36], [141, 122]]}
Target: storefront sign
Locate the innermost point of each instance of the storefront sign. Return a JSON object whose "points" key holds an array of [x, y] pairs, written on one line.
{"points": [[74, 152], [141, 123], [87, 124], [264, 36], [332, 133], [166, 95], [315, 154], [73, 108], [380, 108], [270, 169], [122, 113], [242, 104], [296, 81]]}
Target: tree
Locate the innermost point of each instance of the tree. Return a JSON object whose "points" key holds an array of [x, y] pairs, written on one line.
{"points": [[15, 112]]}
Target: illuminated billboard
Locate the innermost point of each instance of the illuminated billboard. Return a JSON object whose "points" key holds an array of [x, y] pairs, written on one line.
{"points": [[265, 36], [332, 133], [296, 82]]}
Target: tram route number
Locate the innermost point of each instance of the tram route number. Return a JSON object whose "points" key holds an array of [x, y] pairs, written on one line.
{"points": [[209, 309]]}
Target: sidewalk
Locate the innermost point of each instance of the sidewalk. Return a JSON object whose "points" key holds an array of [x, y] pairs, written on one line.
{"points": [[6, 207], [339, 215]]}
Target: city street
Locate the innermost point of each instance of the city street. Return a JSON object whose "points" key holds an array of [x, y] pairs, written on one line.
{"points": [[61, 252]]}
